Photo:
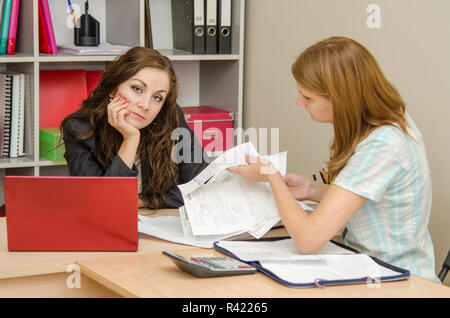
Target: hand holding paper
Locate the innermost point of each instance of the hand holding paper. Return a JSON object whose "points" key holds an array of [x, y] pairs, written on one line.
{"points": [[257, 170], [220, 203]]}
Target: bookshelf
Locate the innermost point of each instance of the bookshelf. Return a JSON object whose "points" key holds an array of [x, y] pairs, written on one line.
{"points": [[213, 80]]}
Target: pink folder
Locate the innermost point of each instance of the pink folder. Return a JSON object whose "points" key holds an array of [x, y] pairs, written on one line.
{"points": [[48, 25], [11, 46]]}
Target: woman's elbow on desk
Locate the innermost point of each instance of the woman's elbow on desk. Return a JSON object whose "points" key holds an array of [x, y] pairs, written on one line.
{"points": [[308, 245], [309, 238]]}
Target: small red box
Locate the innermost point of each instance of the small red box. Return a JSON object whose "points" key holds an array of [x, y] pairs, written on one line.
{"points": [[212, 126]]}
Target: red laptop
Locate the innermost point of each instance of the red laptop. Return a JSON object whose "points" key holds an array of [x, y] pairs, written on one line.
{"points": [[71, 213]]}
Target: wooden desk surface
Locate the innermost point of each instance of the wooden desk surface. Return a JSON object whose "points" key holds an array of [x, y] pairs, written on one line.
{"points": [[21, 264], [155, 275], [148, 273]]}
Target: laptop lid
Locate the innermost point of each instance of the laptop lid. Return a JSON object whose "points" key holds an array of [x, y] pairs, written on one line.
{"points": [[71, 213]]}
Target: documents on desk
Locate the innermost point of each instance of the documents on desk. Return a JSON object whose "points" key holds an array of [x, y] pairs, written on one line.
{"points": [[220, 205], [169, 228], [332, 264]]}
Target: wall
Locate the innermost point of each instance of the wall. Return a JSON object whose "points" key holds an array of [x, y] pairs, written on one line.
{"points": [[413, 48]]}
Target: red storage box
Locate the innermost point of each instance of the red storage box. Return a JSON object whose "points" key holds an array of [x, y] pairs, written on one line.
{"points": [[212, 126]]}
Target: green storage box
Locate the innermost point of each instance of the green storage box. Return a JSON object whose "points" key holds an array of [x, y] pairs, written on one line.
{"points": [[48, 139]]}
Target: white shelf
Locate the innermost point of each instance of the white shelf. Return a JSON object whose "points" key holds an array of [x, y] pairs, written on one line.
{"points": [[62, 57], [179, 55], [17, 58], [20, 162], [43, 162]]}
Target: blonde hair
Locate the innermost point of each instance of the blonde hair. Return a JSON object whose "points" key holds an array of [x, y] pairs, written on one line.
{"points": [[346, 73]]}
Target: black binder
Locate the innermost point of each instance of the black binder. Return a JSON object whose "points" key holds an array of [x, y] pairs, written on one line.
{"points": [[224, 19], [188, 25], [211, 27], [401, 273]]}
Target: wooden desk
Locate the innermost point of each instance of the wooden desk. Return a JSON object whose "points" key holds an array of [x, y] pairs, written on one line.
{"points": [[43, 274], [155, 275], [148, 273]]}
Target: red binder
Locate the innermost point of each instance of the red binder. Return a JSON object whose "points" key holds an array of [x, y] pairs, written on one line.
{"points": [[71, 213], [44, 46], [48, 25], [60, 94]]}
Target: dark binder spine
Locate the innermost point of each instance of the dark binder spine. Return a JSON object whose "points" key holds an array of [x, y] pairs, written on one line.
{"points": [[182, 25], [198, 32], [188, 26], [211, 27], [224, 19]]}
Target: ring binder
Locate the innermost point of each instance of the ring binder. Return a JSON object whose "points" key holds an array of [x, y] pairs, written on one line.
{"points": [[391, 272], [224, 45], [211, 24], [188, 24]]}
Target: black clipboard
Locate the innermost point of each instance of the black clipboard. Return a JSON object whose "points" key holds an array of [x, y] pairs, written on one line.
{"points": [[402, 273]]}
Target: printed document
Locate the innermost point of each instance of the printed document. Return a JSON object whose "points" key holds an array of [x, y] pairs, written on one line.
{"points": [[169, 228], [220, 203], [283, 259]]}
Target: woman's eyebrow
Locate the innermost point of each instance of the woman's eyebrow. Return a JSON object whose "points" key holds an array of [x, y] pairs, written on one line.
{"points": [[145, 85], [142, 82]]}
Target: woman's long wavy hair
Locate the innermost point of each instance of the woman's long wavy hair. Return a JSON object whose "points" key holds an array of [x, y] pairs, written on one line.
{"points": [[155, 145], [346, 73]]}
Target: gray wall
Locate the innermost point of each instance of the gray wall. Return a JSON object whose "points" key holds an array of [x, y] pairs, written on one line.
{"points": [[413, 49]]}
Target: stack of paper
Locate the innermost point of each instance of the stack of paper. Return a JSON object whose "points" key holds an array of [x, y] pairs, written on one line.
{"points": [[220, 205], [101, 49], [330, 263]]}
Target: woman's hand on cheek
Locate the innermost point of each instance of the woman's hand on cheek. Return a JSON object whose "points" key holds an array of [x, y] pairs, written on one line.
{"points": [[257, 170], [117, 111]]}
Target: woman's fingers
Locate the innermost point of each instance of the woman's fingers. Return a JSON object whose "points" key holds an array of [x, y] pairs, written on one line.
{"points": [[117, 105]]}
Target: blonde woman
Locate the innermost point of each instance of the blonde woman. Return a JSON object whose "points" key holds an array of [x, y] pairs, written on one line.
{"points": [[382, 186]]}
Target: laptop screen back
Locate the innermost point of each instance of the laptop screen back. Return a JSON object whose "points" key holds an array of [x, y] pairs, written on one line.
{"points": [[71, 213]]}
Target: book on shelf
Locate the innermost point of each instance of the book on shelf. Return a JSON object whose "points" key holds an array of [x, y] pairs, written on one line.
{"points": [[6, 14], [17, 115], [48, 27], [12, 115], [102, 49], [44, 46], [148, 26], [5, 113], [12, 33]]}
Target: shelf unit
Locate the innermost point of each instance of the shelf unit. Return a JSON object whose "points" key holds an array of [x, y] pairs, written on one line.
{"points": [[213, 80]]}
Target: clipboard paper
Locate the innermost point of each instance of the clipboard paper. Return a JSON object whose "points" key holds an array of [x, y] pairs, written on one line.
{"points": [[334, 264]]}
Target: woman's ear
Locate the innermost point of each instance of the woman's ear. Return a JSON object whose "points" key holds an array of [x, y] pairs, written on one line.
{"points": [[112, 94]]}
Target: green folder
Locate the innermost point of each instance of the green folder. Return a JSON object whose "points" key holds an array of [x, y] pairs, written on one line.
{"points": [[5, 26], [48, 144]]}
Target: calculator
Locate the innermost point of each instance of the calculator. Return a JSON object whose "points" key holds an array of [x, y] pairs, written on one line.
{"points": [[211, 266]]}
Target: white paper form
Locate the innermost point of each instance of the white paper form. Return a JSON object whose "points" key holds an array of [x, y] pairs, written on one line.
{"points": [[218, 208], [330, 267], [169, 228], [280, 250], [233, 157], [227, 207]]}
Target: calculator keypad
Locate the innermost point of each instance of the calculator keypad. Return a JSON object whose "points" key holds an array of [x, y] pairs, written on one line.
{"points": [[221, 263]]}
